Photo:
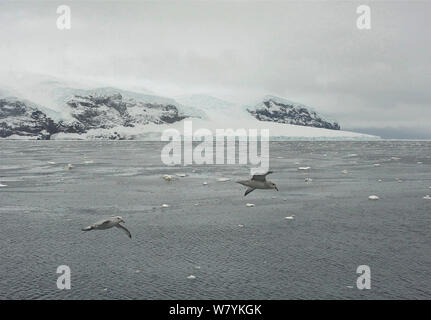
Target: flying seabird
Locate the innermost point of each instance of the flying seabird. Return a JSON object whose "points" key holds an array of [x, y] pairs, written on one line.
{"points": [[258, 181], [108, 223]]}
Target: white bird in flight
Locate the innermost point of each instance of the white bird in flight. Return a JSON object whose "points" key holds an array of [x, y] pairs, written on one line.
{"points": [[258, 181], [107, 224]]}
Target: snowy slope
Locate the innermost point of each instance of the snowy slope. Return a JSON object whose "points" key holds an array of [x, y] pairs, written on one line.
{"points": [[276, 109], [218, 114], [112, 113]]}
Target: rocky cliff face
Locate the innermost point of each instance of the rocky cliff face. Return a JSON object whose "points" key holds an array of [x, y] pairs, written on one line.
{"points": [[108, 113], [279, 110], [24, 119], [88, 112]]}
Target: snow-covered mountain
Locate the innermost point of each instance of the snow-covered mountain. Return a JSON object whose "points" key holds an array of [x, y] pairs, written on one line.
{"points": [[89, 110], [62, 112], [275, 109], [22, 119]]}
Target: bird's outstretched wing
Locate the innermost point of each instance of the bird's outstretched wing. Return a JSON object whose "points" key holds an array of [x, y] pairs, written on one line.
{"points": [[261, 177], [248, 191], [124, 229]]}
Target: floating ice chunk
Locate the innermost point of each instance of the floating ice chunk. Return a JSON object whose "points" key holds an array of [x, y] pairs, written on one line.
{"points": [[196, 204], [88, 161], [377, 164], [105, 289], [379, 180], [427, 197], [250, 204], [304, 168], [168, 177], [350, 287], [3, 185], [345, 171], [240, 225], [290, 217], [51, 162], [373, 197], [395, 158], [165, 205], [191, 277], [205, 183], [223, 179], [182, 175]]}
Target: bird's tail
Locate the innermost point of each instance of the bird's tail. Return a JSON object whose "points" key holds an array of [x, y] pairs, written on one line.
{"points": [[87, 228]]}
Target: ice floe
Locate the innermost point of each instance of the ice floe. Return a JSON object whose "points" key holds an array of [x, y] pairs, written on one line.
{"points": [[304, 168], [181, 175], [373, 197]]}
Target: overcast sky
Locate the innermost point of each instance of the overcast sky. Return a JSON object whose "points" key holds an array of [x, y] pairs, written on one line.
{"points": [[310, 52]]}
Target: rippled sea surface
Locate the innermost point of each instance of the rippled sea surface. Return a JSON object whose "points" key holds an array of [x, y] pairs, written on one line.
{"points": [[234, 251]]}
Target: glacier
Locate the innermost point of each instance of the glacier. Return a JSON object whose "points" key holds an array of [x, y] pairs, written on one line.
{"points": [[58, 111]]}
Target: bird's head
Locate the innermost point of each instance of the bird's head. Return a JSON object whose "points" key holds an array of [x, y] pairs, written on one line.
{"points": [[119, 219], [272, 185]]}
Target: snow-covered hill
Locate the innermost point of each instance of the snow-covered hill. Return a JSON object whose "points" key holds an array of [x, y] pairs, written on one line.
{"points": [[275, 109], [62, 112], [22, 119]]}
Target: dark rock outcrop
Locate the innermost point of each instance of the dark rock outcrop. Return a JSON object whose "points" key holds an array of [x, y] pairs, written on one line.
{"points": [[21, 118], [277, 110]]}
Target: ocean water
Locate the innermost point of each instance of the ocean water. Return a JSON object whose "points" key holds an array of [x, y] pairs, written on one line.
{"points": [[234, 251]]}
